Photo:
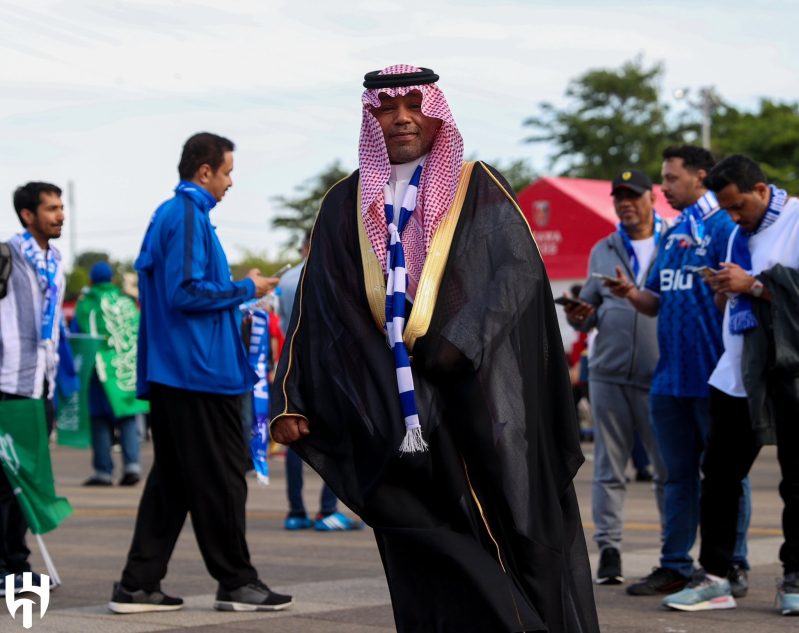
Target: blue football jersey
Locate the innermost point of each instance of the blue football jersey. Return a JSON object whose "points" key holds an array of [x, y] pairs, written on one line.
{"points": [[689, 323]]}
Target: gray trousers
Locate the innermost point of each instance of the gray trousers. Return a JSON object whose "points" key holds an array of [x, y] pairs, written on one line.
{"points": [[619, 411]]}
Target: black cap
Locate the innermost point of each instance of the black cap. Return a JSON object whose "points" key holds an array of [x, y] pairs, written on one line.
{"points": [[423, 76], [632, 179]]}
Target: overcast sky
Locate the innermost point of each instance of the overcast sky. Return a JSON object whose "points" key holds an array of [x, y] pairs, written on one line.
{"points": [[104, 92]]}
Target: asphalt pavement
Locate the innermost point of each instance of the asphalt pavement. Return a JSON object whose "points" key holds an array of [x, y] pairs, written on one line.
{"points": [[336, 578]]}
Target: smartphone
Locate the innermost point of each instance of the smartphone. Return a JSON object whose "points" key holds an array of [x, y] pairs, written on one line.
{"points": [[611, 280], [282, 271], [568, 301], [705, 271]]}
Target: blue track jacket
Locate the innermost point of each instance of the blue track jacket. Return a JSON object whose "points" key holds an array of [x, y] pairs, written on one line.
{"points": [[189, 333]]}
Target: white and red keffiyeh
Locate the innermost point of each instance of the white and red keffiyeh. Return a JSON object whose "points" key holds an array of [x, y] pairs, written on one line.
{"points": [[440, 175]]}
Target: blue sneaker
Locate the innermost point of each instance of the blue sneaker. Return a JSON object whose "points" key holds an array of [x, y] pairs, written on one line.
{"points": [[297, 523], [336, 522], [702, 594], [788, 593]]}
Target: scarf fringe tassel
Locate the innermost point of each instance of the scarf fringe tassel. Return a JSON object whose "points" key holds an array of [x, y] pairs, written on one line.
{"points": [[413, 441]]}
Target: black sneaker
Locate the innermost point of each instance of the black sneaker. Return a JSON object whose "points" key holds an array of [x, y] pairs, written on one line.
{"points": [[255, 596], [739, 581], [609, 572], [661, 580], [125, 600], [129, 479], [94, 480]]}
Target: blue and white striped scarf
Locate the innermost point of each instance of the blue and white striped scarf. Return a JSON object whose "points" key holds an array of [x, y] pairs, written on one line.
{"points": [[691, 222], [659, 228], [741, 316], [45, 265], [396, 284]]}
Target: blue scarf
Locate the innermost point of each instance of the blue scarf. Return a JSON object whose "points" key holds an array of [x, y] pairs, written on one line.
{"points": [[691, 221], [258, 356], [741, 316], [395, 310], [628, 244], [45, 264]]}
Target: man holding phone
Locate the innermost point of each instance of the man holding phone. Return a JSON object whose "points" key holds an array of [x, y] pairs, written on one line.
{"points": [[193, 369], [622, 362], [689, 340], [754, 394]]}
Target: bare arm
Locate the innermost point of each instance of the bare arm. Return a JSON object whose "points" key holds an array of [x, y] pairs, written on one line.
{"points": [[733, 278]]}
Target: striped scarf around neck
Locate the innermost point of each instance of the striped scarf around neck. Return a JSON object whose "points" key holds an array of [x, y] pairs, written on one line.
{"points": [[45, 265], [691, 221], [659, 227], [742, 318], [396, 284]]}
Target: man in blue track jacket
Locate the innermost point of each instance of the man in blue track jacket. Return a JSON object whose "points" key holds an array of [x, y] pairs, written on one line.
{"points": [[193, 368]]}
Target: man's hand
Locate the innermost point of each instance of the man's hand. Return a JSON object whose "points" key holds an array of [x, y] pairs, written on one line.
{"points": [[622, 287], [288, 429], [731, 278], [578, 313], [262, 284]]}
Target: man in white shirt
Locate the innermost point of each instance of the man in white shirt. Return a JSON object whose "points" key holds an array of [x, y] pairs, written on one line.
{"points": [[764, 247]]}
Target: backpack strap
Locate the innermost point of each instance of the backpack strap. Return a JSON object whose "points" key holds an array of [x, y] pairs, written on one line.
{"points": [[5, 268]]}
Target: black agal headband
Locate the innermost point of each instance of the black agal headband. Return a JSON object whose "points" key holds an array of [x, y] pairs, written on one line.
{"points": [[375, 80]]}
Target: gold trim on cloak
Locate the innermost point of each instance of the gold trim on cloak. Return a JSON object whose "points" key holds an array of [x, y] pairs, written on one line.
{"points": [[432, 271]]}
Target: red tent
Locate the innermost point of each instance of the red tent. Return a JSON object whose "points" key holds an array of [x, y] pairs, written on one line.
{"points": [[568, 216]]}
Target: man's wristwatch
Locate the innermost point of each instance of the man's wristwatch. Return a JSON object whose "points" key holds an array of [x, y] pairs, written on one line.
{"points": [[756, 290]]}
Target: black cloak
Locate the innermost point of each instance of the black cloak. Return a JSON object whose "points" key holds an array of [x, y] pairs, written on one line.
{"points": [[482, 533]]}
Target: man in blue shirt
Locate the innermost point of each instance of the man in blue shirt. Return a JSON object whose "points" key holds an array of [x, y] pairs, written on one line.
{"points": [[193, 368], [690, 343]]}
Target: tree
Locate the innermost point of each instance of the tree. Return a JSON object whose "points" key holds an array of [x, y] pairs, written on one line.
{"points": [[519, 173], [77, 280], [87, 259], [769, 136], [615, 119], [259, 261], [300, 210]]}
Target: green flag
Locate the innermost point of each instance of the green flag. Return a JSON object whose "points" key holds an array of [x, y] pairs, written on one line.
{"points": [[103, 310], [26, 462], [74, 422]]}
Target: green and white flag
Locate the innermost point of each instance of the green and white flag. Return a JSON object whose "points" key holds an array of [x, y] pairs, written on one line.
{"points": [[105, 311], [26, 461], [73, 421]]}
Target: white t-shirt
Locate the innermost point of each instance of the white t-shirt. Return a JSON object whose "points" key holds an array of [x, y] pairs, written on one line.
{"points": [[644, 251], [400, 178], [776, 244]]}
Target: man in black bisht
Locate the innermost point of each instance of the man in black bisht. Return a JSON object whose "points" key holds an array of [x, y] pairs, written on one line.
{"points": [[452, 434]]}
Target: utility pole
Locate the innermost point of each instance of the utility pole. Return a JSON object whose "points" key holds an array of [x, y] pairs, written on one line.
{"points": [[73, 233], [708, 100]]}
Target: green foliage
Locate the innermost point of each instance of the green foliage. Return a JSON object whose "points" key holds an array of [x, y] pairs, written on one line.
{"points": [[615, 119], [299, 212], [87, 259], [519, 173], [261, 262], [769, 136], [77, 280]]}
